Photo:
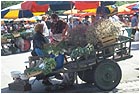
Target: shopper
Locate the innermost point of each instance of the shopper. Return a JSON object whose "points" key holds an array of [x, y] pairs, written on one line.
{"points": [[134, 23], [45, 28]]}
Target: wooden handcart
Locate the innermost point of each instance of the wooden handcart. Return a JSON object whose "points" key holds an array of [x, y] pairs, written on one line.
{"points": [[100, 67]]}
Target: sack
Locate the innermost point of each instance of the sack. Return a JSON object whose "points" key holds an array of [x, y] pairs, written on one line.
{"points": [[136, 37]]}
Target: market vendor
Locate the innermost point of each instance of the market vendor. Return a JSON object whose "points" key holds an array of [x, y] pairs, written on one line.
{"points": [[58, 28], [38, 41]]}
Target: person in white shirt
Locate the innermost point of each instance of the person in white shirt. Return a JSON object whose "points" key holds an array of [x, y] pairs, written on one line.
{"points": [[114, 18], [45, 28]]}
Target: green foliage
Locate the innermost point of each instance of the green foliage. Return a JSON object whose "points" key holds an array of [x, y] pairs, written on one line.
{"points": [[119, 3], [50, 64], [32, 70], [5, 4], [54, 49], [82, 51]]}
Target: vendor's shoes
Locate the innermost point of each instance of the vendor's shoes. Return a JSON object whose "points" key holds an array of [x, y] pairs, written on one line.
{"points": [[58, 76]]}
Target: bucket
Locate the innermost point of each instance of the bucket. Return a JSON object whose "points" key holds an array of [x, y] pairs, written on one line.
{"points": [[129, 31], [59, 60], [15, 74], [136, 37]]}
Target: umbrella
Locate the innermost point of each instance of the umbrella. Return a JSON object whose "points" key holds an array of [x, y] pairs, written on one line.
{"points": [[84, 14], [131, 5], [136, 7], [111, 8], [82, 5], [44, 5], [126, 9], [38, 13], [73, 11], [57, 5], [15, 13], [106, 3], [34, 7]]}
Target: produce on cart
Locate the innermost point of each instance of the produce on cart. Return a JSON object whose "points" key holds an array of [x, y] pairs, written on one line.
{"points": [[11, 42]]}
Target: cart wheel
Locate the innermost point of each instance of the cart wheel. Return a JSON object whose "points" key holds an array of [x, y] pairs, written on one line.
{"points": [[87, 75], [107, 75]]}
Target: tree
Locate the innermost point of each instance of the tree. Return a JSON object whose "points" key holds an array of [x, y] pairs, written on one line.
{"points": [[5, 4], [119, 3]]}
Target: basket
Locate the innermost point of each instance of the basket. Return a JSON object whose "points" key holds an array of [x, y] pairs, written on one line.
{"points": [[3, 40]]}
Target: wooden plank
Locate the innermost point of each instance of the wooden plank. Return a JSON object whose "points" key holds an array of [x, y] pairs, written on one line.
{"points": [[33, 74], [107, 39], [109, 42]]}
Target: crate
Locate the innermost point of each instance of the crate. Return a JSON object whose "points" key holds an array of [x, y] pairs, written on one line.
{"points": [[20, 86], [3, 40], [107, 40], [16, 35]]}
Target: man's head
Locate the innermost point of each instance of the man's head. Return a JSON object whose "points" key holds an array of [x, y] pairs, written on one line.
{"points": [[86, 17], [44, 17], [135, 14], [39, 28], [54, 17]]}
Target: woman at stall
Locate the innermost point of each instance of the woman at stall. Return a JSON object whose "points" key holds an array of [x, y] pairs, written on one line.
{"points": [[38, 41]]}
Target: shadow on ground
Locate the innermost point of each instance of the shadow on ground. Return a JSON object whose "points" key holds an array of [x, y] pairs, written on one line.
{"points": [[38, 87]]}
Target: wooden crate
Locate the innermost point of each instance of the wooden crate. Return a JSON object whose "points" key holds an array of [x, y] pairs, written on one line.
{"points": [[17, 34], [3, 40], [20, 86], [107, 40]]}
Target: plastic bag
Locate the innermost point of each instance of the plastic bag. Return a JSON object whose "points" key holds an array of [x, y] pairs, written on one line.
{"points": [[136, 37]]}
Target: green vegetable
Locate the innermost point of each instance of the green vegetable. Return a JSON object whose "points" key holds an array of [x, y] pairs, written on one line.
{"points": [[79, 51], [50, 64]]}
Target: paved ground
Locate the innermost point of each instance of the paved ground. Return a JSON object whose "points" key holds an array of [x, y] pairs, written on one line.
{"points": [[129, 82]]}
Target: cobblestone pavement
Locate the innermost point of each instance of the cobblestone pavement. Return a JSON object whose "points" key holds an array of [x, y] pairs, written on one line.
{"points": [[131, 86]]}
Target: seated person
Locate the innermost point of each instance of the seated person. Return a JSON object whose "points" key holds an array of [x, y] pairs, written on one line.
{"points": [[38, 41]]}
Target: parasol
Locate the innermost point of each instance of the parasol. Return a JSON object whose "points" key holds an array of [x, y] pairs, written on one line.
{"points": [[126, 9], [82, 5], [136, 7], [43, 6], [72, 11], [34, 7], [16, 11]]}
